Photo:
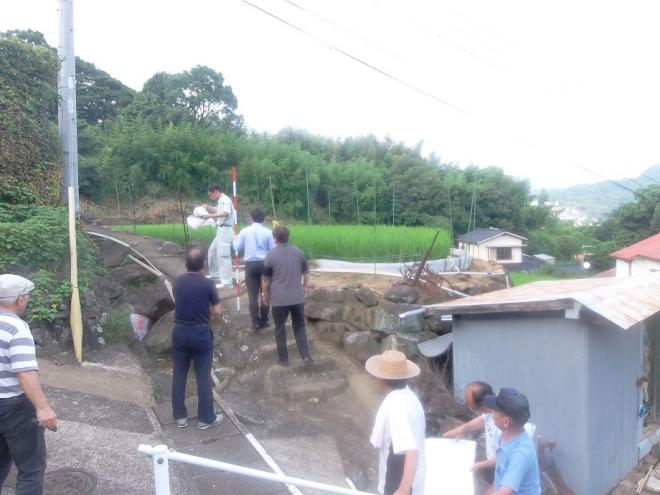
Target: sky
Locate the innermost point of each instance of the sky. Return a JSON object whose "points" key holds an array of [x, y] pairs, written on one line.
{"points": [[541, 89]]}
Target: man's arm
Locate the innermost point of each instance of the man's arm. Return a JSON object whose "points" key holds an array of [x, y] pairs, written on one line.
{"points": [[29, 382], [265, 290], [305, 283], [409, 469], [215, 310], [488, 463], [473, 425]]}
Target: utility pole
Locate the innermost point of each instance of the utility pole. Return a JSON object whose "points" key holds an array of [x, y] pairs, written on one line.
{"points": [[67, 122]]}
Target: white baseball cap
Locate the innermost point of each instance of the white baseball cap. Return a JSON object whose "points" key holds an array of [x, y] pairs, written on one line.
{"points": [[14, 285]]}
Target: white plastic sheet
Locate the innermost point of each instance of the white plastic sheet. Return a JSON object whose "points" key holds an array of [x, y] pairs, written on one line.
{"points": [[195, 220], [448, 464]]}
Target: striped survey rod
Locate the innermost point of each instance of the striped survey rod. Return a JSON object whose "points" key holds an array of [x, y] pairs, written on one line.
{"points": [[237, 286]]}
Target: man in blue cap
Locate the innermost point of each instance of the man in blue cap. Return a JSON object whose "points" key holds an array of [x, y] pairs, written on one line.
{"points": [[516, 467]]}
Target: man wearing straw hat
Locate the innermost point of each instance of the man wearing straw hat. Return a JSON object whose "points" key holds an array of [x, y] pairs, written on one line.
{"points": [[400, 426], [24, 410]]}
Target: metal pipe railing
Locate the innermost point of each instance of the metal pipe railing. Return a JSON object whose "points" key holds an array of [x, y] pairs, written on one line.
{"points": [[162, 455]]}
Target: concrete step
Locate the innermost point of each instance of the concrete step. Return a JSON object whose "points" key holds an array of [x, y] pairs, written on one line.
{"points": [[301, 381]]}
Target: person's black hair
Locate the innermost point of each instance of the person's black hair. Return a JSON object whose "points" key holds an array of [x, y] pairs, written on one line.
{"points": [[258, 215], [281, 235], [480, 390], [195, 257], [397, 384], [214, 187]]}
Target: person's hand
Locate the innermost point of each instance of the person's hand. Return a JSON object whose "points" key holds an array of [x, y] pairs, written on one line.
{"points": [[205, 217], [46, 418], [265, 298], [456, 433]]}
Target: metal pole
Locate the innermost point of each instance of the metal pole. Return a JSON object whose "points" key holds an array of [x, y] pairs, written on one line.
{"points": [[237, 286], [393, 204], [157, 453], [309, 218], [67, 121], [272, 200], [161, 468]]}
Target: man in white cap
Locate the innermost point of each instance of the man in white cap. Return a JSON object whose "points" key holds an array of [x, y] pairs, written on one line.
{"points": [[24, 410], [400, 427]]}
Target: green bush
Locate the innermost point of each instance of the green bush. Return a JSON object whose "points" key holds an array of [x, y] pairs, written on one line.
{"points": [[34, 241]]}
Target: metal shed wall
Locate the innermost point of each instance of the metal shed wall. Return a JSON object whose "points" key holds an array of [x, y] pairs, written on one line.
{"points": [[545, 357], [615, 362]]}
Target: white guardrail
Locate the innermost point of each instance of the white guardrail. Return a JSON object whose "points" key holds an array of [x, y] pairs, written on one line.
{"points": [[162, 455]]}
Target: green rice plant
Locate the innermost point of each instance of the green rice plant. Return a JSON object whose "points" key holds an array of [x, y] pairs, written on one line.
{"points": [[522, 278], [360, 243]]}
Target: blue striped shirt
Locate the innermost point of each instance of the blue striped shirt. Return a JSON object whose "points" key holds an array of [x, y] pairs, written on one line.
{"points": [[255, 241], [16, 353]]}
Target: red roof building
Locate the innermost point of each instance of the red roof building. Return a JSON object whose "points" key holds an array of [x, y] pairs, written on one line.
{"points": [[639, 258]]}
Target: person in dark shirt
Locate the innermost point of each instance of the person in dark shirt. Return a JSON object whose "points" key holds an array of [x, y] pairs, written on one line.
{"points": [[195, 299], [284, 286]]}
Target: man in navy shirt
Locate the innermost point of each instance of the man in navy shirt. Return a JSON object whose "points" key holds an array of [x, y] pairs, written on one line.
{"points": [[255, 241], [516, 466], [195, 299]]}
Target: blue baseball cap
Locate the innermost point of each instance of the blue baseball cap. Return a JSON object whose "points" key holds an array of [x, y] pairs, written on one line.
{"points": [[511, 403]]}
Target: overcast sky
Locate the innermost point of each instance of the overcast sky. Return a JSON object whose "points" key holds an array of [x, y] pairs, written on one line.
{"points": [[532, 87]]}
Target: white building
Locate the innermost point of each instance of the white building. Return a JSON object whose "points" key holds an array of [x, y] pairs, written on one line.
{"points": [[493, 244], [638, 259]]}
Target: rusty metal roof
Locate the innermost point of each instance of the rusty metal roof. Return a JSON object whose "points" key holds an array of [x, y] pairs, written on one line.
{"points": [[624, 301]]}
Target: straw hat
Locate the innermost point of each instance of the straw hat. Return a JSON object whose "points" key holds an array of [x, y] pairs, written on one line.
{"points": [[391, 365]]}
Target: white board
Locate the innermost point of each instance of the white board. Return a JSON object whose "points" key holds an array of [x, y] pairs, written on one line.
{"points": [[448, 464]]}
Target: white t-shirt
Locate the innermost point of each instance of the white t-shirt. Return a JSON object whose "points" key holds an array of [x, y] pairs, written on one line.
{"points": [[225, 205], [492, 434], [400, 422]]}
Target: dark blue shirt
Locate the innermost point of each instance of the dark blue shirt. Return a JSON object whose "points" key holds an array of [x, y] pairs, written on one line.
{"points": [[194, 294]]}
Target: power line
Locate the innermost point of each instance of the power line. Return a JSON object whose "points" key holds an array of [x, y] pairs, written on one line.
{"points": [[650, 178], [407, 84], [341, 28], [357, 59]]}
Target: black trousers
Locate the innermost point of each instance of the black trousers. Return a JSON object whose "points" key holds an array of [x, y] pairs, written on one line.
{"points": [[192, 343], [22, 441], [280, 314], [258, 310], [394, 472]]}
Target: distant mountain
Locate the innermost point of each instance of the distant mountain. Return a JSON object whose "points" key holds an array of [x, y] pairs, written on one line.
{"points": [[597, 200]]}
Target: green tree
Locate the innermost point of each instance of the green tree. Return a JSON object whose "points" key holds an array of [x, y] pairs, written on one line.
{"points": [[29, 153]]}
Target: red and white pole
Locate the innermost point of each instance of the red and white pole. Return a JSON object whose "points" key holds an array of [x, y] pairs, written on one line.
{"points": [[237, 287]]}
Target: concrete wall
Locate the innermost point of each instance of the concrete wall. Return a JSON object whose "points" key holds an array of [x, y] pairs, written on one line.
{"points": [[564, 367], [637, 266]]}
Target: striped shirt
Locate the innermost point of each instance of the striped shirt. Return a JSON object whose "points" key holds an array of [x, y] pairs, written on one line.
{"points": [[16, 353]]}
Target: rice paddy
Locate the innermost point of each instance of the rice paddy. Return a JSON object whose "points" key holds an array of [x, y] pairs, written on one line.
{"points": [[360, 243]]}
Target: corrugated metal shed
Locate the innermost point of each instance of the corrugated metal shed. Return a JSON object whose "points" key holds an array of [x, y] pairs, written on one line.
{"points": [[623, 301]]}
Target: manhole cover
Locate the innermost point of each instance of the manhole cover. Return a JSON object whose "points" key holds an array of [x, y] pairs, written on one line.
{"points": [[69, 481]]}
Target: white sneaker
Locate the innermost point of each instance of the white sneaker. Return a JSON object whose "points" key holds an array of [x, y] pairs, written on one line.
{"points": [[182, 423], [203, 426]]}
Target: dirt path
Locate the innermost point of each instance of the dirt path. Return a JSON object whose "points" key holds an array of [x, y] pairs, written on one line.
{"points": [[314, 421]]}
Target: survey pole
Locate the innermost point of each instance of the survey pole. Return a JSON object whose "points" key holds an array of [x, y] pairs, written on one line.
{"points": [[237, 261], [67, 121]]}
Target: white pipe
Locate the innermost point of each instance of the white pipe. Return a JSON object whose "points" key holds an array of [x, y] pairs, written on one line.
{"points": [[412, 312], [160, 452]]}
